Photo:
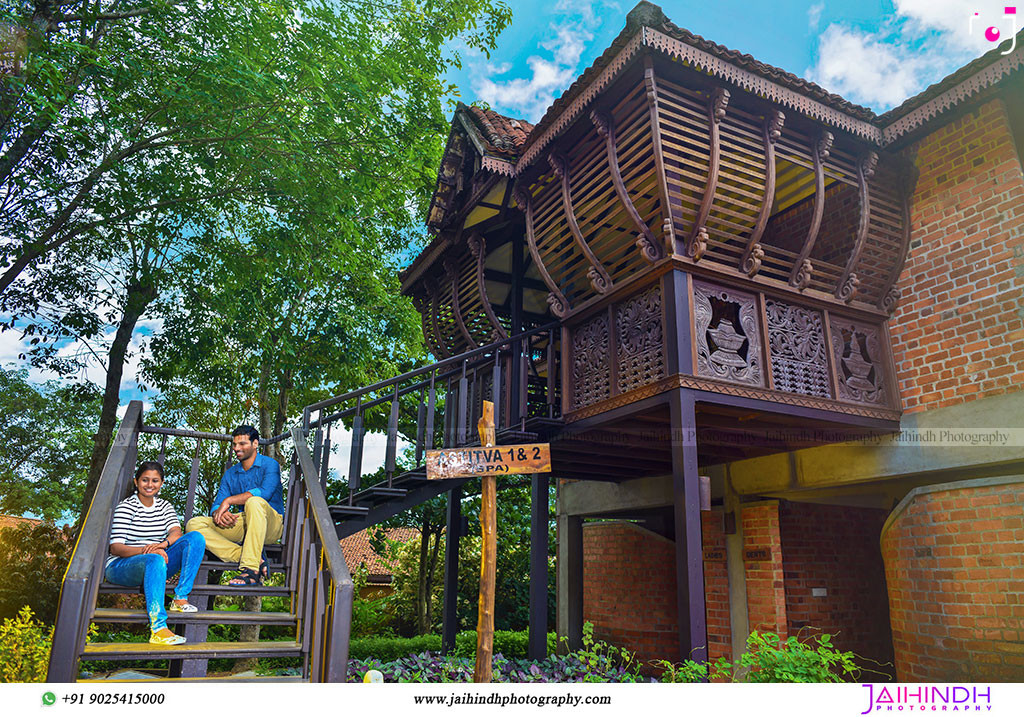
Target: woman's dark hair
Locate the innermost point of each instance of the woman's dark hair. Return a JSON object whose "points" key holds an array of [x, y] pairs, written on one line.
{"points": [[149, 466], [249, 431]]}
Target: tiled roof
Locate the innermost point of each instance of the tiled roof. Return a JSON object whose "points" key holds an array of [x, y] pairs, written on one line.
{"points": [[503, 136], [13, 521], [358, 552], [647, 14], [946, 83]]}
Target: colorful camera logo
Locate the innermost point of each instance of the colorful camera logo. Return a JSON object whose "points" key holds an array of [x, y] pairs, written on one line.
{"points": [[994, 34]]}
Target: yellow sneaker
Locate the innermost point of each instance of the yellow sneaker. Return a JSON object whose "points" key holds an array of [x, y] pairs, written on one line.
{"points": [[169, 638], [187, 607]]}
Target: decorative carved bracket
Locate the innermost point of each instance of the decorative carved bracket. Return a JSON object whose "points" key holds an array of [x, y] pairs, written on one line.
{"points": [[478, 248], [908, 180], [599, 278], [846, 287], [556, 299], [651, 84], [698, 242], [750, 263], [802, 268], [645, 239]]}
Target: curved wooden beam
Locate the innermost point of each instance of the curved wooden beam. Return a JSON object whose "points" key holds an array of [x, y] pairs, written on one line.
{"points": [[668, 226], [750, 263], [645, 240], [800, 276], [556, 299], [452, 273], [432, 292], [846, 287], [478, 247], [891, 295], [599, 278], [422, 304], [697, 244]]}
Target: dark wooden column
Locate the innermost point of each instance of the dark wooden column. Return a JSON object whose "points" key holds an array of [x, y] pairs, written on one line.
{"points": [[573, 556], [538, 567], [451, 570], [516, 309], [686, 499]]}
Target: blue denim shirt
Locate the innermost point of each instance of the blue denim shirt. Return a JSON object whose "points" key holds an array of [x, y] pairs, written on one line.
{"points": [[263, 480]]}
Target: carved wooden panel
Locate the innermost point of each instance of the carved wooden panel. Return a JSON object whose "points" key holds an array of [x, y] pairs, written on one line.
{"points": [[591, 369], [638, 340], [797, 350], [858, 355], [727, 334]]}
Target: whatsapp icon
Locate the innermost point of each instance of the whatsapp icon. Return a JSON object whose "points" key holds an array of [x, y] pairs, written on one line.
{"points": [[49, 698]]}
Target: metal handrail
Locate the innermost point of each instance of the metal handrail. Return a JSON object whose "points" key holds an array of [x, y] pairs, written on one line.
{"points": [[81, 582], [335, 668], [451, 361]]}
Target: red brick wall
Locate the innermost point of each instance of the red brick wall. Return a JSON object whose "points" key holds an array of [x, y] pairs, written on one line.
{"points": [[958, 332], [629, 589], [836, 548], [716, 585], [840, 217], [954, 564], [766, 596]]}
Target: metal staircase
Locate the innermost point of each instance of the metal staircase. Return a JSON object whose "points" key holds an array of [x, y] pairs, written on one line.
{"points": [[434, 406]]}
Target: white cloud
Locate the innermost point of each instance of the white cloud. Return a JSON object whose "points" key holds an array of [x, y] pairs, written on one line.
{"points": [[919, 45], [530, 97], [570, 31], [814, 15]]}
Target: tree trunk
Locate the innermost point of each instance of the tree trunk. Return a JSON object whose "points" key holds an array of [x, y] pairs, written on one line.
{"points": [[422, 597], [431, 571], [248, 633], [140, 295]]}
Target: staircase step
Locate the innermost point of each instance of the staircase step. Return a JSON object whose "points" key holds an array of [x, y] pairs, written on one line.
{"points": [[225, 678], [220, 565], [206, 590], [195, 650], [380, 491], [217, 617], [344, 512]]}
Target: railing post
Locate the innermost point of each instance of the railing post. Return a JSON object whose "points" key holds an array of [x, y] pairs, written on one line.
{"points": [[428, 431], [421, 418], [193, 477], [460, 430], [552, 373], [496, 391], [325, 457], [355, 460], [392, 446]]}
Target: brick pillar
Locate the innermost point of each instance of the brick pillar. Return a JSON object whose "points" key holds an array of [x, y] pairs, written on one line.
{"points": [[716, 585], [762, 563]]}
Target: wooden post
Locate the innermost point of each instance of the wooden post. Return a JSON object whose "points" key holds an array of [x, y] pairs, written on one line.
{"points": [[488, 556]]}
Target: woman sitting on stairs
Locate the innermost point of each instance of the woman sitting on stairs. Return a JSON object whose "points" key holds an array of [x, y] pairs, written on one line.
{"points": [[147, 545]]}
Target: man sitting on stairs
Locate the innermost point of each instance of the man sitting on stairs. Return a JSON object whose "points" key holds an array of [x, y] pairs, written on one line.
{"points": [[253, 484]]}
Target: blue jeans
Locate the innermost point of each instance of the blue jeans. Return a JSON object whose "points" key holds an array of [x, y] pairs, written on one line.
{"points": [[150, 571]]}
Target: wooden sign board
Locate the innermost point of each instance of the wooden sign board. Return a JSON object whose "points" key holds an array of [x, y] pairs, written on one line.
{"points": [[713, 555], [756, 554], [495, 460]]}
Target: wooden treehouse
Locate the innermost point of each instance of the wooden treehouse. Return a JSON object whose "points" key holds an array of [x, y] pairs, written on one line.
{"points": [[687, 278]]}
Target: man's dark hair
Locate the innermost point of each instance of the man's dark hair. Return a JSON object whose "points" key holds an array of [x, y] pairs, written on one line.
{"points": [[243, 430]]}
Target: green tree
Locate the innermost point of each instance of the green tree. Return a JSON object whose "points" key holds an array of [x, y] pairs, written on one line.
{"points": [[47, 430], [150, 124], [34, 556]]}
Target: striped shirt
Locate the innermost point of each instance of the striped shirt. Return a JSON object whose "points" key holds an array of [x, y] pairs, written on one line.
{"points": [[135, 524]]}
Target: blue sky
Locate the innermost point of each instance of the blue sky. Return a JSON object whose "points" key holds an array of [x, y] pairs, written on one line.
{"points": [[874, 53]]}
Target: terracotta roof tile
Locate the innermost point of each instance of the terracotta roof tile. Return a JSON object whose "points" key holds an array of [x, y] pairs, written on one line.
{"points": [[357, 550], [504, 136], [12, 521]]}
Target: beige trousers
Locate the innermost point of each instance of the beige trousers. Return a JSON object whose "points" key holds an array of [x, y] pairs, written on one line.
{"points": [[243, 542]]}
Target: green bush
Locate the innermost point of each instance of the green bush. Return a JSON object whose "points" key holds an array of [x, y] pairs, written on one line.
{"points": [[510, 644], [24, 648], [770, 659]]}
